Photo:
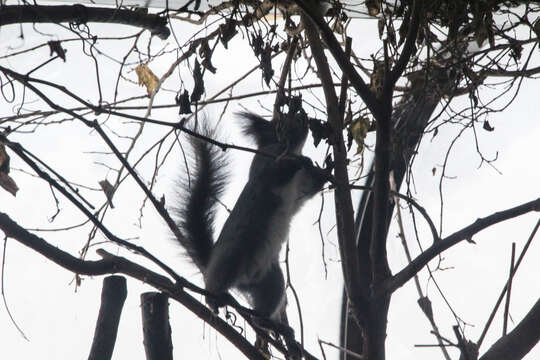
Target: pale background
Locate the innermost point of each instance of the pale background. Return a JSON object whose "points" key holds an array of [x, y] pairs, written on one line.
{"points": [[59, 321]]}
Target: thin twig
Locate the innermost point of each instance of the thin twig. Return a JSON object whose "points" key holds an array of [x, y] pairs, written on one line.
{"points": [[509, 292], [465, 233], [503, 291], [428, 313]]}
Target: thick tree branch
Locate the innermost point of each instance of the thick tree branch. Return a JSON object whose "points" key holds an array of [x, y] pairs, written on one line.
{"points": [[381, 198], [26, 81], [56, 255], [409, 47], [80, 14], [507, 285], [156, 327], [519, 341], [466, 233], [344, 209], [113, 296], [413, 203], [111, 264], [339, 55]]}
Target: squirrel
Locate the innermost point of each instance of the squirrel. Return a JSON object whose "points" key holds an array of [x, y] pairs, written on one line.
{"points": [[246, 254]]}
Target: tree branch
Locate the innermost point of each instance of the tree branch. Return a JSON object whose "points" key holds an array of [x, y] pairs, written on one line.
{"points": [[156, 327], [80, 14], [339, 55], [22, 153], [111, 264], [507, 285], [409, 47], [519, 341], [413, 203], [344, 209], [113, 296], [466, 233]]}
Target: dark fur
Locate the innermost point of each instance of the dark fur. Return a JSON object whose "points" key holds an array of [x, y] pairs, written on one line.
{"points": [[246, 254], [204, 185]]}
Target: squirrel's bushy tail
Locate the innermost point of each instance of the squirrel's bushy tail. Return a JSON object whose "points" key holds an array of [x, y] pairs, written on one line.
{"points": [[200, 188]]}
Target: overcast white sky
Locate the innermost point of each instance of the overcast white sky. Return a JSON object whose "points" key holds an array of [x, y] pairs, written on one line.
{"points": [[60, 322]]}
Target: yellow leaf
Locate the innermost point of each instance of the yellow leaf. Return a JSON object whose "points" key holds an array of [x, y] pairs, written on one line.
{"points": [[147, 78], [374, 7], [359, 130]]}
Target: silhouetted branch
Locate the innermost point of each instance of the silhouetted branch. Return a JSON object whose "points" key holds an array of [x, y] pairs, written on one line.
{"points": [[506, 285], [80, 14], [111, 264], [339, 55], [413, 203], [22, 153], [509, 290], [410, 43], [156, 327], [113, 296], [344, 210], [519, 341], [466, 233]]}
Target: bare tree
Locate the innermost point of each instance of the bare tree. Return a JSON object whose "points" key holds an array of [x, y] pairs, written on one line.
{"points": [[428, 54]]}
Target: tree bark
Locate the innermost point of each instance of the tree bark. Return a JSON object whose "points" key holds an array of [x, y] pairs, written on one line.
{"points": [[113, 296], [80, 14], [517, 343], [409, 119], [156, 327]]}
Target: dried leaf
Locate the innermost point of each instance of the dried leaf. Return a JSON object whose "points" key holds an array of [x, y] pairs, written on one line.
{"points": [[435, 133], [320, 130], [487, 126], [227, 30], [4, 159], [198, 88], [183, 102], [266, 64], [8, 184], [377, 78], [207, 64], [337, 27], [257, 44], [516, 50], [359, 129], [206, 54], [380, 26], [108, 189], [56, 48], [374, 7], [147, 78], [427, 309]]}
